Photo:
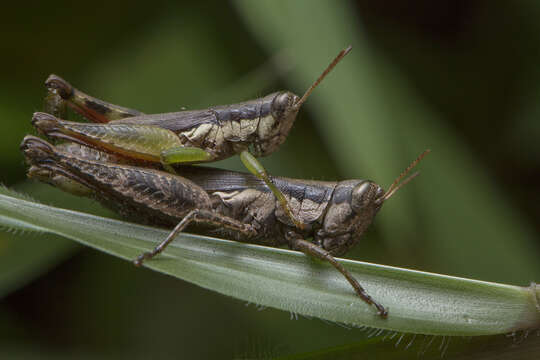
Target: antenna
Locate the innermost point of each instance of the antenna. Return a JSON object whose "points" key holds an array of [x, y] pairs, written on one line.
{"points": [[334, 62], [396, 185]]}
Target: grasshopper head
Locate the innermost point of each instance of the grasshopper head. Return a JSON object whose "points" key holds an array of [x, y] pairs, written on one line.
{"points": [[284, 107], [367, 197], [353, 207], [275, 126], [273, 130], [351, 210]]}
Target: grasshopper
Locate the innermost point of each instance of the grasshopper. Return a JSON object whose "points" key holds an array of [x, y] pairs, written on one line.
{"points": [[235, 205], [251, 129]]}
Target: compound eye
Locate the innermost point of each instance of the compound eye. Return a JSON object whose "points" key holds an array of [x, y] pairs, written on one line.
{"points": [[361, 195], [282, 102], [361, 189]]}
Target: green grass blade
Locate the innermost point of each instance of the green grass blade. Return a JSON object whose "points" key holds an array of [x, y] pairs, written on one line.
{"points": [[418, 302], [23, 261]]}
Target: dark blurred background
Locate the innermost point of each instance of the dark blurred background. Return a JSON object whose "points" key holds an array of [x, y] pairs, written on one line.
{"points": [[459, 77]]}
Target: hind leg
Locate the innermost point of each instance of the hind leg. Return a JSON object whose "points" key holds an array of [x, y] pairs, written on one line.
{"points": [[93, 109]]}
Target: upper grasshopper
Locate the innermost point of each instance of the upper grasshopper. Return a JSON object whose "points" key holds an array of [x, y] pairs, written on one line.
{"points": [[251, 129]]}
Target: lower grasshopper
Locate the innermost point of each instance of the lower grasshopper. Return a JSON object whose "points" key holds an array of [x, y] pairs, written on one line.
{"points": [[251, 129], [211, 201]]}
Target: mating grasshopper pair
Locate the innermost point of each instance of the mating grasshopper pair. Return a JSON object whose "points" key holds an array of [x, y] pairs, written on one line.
{"points": [[251, 129], [120, 163]]}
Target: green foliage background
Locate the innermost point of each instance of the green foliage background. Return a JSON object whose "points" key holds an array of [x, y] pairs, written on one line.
{"points": [[457, 77]]}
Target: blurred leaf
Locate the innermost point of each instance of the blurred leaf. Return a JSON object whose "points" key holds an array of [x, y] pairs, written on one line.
{"points": [[375, 125], [402, 347], [418, 302]]}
